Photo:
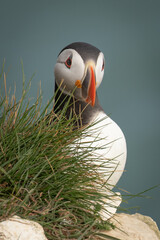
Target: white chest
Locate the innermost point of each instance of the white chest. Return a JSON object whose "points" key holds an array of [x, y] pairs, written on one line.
{"points": [[109, 144]]}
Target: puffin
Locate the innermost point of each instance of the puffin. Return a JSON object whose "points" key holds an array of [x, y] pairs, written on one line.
{"points": [[79, 71]]}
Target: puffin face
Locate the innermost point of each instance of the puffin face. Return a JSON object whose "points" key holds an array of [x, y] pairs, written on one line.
{"points": [[79, 71]]}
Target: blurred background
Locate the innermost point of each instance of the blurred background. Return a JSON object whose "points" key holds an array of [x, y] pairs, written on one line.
{"points": [[128, 33]]}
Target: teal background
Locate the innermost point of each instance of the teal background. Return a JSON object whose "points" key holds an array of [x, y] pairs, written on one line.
{"points": [[128, 33]]}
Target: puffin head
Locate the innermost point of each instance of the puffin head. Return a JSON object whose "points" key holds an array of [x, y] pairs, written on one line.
{"points": [[79, 71]]}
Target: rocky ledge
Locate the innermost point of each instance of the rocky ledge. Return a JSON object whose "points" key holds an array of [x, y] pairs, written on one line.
{"points": [[128, 227]]}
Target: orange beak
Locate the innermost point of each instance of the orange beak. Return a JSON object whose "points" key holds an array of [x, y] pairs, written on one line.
{"points": [[91, 96]]}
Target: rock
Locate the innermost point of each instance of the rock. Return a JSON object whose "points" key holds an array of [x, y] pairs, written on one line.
{"points": [[16, 228], [134, 227], [128, 227]]}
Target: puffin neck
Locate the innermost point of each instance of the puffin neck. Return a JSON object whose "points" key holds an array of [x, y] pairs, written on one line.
{"points": [[85, 112]]}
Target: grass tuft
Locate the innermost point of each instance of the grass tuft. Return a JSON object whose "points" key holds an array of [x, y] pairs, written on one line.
{"points": [[43, 175]]}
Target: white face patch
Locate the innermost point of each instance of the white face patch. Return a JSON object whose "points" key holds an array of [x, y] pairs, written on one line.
{"points": [[99, 69], [69, 68], [70, 71]]}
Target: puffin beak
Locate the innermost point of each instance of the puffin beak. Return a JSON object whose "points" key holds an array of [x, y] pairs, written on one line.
{"points": [[89, 85]]}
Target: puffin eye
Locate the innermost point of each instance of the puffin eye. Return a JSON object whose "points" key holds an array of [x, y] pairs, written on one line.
{"points": [[68, 62], [102, 66]]}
